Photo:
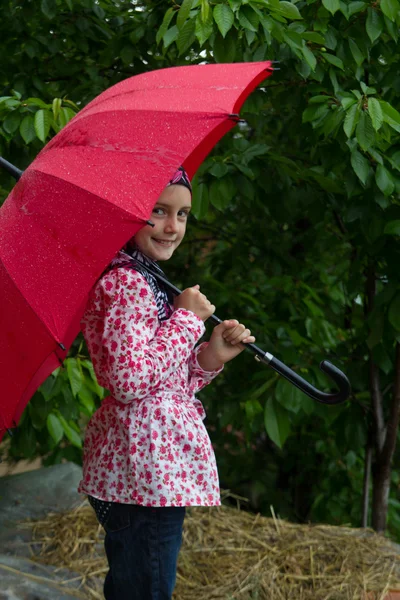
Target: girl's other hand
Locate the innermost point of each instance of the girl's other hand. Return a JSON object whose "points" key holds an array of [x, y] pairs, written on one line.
{"points": [[227, 341], [192, 299]]}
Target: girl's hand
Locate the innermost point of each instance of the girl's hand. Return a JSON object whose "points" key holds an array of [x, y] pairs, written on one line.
{"points": [[192, 299], [227, 341]]}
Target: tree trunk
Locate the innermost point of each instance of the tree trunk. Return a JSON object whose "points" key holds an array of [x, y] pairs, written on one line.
{"points": [[367, 482], [383, 463]]}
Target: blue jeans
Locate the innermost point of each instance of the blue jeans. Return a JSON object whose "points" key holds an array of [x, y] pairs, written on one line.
{"points": [[142, 546]]}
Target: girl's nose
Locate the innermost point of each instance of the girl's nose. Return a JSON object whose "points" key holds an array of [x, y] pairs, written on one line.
{"points": [[171, 226]]}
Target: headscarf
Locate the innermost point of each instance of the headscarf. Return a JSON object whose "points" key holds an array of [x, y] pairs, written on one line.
{"points": [[181, 178]]}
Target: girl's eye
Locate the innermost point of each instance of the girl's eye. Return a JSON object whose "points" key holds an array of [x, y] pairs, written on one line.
{"points": [[158, 211], [183, 213]]}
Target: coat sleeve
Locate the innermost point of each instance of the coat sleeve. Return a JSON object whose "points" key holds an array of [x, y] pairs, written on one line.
{"points": [[134, 355], [198, 377]]}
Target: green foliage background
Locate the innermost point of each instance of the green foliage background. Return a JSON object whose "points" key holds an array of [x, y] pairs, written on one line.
{"points": [[296, 228]]}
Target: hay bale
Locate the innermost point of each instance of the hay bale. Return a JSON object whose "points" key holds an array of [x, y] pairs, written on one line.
{"points": [[231, 554]]}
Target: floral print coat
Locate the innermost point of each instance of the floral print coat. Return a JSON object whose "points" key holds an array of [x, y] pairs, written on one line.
{"points": [[147, 443]]}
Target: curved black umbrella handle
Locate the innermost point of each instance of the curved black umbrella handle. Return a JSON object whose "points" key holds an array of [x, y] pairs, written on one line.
{"points": [[261, 356], [14, 171]]}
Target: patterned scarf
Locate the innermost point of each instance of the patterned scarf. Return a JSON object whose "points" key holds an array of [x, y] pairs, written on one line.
{"points": [[136, 260]]}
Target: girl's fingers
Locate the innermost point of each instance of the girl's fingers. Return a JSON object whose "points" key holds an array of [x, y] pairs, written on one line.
{"points": [[239, 334]]}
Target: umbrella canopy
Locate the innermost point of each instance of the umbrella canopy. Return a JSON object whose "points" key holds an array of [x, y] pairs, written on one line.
{"points": [[87, 192]]}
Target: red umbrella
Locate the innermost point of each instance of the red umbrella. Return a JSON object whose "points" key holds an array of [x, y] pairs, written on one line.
{"points": [[88, 191]]}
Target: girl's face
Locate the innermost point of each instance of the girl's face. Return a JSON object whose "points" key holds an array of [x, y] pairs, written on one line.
{"points": [[169, 217]]}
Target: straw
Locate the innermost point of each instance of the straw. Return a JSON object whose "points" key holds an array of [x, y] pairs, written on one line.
{"points": [[231, 554]]}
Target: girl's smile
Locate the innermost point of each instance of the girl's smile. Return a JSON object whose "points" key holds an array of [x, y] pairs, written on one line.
{"points": [[169, 217]]}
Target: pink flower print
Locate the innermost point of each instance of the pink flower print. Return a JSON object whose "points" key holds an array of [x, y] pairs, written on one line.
{"points": [[154, 434], [186, 448], [190, 436], [182, 340], [149, 477], [108, 286], [114, 346], [152, 447], [143, 293], [179, 497], [163, 501]]}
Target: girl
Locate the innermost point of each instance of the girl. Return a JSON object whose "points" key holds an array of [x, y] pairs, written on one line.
{"points": [[147, 453]]}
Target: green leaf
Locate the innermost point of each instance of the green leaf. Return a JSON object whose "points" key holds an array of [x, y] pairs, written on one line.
{"points": [[360, 166], [394, 312], [186, 37], [221, 192], [27, 129], [127, 54], [200, 200], [392, 228], [313, 36], [390, 115], [356, 52], [374, 24], [384, 180], [72, 435], [276, 421], [96, 387], [224, 49], [86, 398], [75, 375], [55, 427], [309, 57], [355, 7], [286, 9], [49, 8], [365, 133], [289, 396], [205, 10], [390, 8], [248, 18], [203, 30], [351, 120], [391, 28], [348, 101], [42, 122], [314, 112], [331, 5], [11, 122], [183, 13], [224, 18], [165, 24], [319, 99], [375, 112], [56, 106], [65, 115], [219, 169], [170, 36], [333, 60]]}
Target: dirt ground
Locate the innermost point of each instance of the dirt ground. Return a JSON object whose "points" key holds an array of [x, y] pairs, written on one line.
{"points": [[20, 467]]}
